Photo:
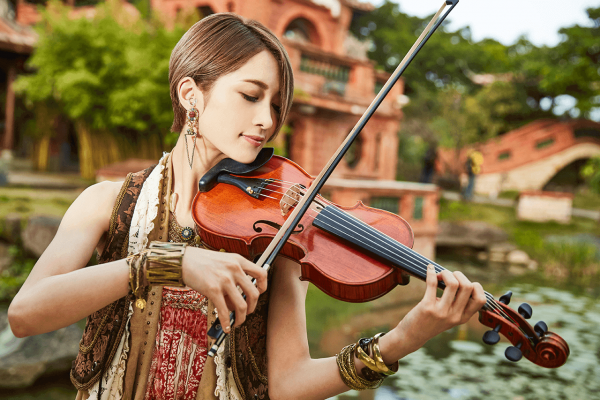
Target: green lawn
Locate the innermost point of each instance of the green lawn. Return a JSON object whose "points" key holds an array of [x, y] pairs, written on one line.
{"points": [[35, 201], [587, 200], [505, 218], [584, 198]]}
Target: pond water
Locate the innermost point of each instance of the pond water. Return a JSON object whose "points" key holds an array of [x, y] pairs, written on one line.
{"points": [[458, 365]]}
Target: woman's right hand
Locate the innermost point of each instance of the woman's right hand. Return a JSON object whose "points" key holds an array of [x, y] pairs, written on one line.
{"points": [[217, 275]]}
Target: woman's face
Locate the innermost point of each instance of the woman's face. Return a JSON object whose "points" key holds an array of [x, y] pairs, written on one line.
{"points": [[242, 110]]}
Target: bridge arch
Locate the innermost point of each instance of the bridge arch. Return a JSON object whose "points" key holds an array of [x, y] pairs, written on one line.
{"points": [[535, 175]]}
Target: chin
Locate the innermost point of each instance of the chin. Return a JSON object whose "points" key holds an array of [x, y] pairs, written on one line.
{"points": [[245, 157]]}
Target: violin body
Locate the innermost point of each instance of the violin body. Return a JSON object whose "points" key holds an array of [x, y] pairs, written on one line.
{"points": [[228, 218], [354, 254]]}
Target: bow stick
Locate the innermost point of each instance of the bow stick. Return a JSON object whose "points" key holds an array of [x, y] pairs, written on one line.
{"points": [[267, 258]]}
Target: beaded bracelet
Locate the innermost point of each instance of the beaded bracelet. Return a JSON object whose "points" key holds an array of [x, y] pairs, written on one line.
{"points": [[136, 263]]}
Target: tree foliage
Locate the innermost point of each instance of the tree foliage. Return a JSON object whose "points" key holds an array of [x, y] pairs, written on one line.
{"points": [[591, 172], [463, 91], [108, 74]]}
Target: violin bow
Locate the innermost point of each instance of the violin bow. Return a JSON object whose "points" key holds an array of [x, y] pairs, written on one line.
{"points": [[268, 257]]}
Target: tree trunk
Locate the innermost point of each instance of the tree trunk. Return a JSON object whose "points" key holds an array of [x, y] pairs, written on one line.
{"points": [[96, 149]]}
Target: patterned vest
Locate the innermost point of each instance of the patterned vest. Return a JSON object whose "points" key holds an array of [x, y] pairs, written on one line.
{"points": [[246, 349]]}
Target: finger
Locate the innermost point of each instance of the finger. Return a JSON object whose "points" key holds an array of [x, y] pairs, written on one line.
{"points": [[476, 302], [465, 289], [432, 284], [258, 273], [450, 291], [251, 293], [240, 306], [223, 312]]}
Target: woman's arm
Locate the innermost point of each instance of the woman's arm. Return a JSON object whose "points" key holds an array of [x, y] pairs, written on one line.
{"points": [[59, 291], [294, 375]]}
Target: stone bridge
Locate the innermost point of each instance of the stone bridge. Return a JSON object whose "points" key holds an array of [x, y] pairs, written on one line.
{"points": [[529, 157]]}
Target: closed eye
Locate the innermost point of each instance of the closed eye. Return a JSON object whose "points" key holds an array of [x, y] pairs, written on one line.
{"points": [[250, 98]]}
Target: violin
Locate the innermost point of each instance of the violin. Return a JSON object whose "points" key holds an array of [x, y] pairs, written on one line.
{"points": [[272, 207], [353, 254]]}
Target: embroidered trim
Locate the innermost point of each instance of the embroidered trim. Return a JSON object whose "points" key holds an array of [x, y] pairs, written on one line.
{"points": [[146, 209], [224, 390], [115, 213], [113, 378], [236, 377], [88, 348], [95, 378], [186, 301], [261, 377]]}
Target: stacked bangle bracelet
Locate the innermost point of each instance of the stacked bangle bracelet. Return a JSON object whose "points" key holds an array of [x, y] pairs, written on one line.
{"points": [[375, 371]]}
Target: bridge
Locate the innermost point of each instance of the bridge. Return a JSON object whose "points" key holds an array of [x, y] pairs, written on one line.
{"points": [[527, 158]]}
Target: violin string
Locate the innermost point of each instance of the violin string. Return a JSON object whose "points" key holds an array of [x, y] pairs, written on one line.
{"points": [[490, 299], [412, 260], [488, 296], [489, 302], [373, 232]]}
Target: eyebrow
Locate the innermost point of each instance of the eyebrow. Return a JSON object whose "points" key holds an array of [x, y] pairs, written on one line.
{"points": [[258, 83]]}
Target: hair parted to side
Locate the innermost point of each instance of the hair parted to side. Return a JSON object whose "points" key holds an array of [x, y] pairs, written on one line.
{"points": [[220, 44]]}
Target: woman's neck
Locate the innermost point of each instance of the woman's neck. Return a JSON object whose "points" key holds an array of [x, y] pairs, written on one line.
{"points": [[185, 180]]}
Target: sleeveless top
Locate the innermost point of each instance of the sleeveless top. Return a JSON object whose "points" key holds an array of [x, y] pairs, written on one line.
{"points": [[245, 350]]}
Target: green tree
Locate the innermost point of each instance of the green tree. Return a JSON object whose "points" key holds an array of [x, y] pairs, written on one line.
{"points": [[572, 67], [591, 172], [109, 74], [449, 58]]}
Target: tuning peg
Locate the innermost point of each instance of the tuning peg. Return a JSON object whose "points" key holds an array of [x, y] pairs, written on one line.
{"points": [[540, 328], [513, 353], [505, 298], [525, 310], [492, 337]]}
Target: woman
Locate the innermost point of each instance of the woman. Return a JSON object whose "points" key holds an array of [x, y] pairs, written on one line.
{"points": [[231, 88]]}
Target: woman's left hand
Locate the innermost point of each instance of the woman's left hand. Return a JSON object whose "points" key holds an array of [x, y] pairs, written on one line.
{"points": [[460, 300]]}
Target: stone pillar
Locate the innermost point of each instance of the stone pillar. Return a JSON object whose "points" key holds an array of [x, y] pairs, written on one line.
{"points": [[7, 145]]}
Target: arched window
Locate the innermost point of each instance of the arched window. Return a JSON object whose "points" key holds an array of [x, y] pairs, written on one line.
{"points": [[301, 30]]}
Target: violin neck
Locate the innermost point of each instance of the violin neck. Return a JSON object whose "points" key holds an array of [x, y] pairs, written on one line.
{"points": [[345, 226]]}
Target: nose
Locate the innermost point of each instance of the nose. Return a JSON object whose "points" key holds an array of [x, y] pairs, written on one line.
{"points": [[264, 117]]}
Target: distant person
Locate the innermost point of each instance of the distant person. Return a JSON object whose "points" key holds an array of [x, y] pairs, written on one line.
{"points": [[472, 168], [429, 160]]}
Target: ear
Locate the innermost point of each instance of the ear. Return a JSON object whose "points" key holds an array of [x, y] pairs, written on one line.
{"points": [[187, 90]]}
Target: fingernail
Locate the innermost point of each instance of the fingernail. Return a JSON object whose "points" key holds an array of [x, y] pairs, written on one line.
{"points": [[227, 329], [430, 267]]}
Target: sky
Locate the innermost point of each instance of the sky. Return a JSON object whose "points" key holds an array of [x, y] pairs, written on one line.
{"points": [[506, 20]]}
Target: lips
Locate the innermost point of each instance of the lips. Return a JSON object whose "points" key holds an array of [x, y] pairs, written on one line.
{"points": [[255, 140]]}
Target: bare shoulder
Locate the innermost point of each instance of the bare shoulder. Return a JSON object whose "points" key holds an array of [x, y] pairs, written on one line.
{"points": [[94, 205]]}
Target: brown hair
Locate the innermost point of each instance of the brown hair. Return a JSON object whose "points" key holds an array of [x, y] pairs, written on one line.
{"points": [[220, 44]]}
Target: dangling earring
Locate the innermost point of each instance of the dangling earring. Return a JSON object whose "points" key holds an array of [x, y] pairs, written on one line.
{"points": [[192, 118]]}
